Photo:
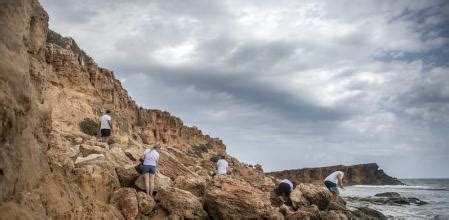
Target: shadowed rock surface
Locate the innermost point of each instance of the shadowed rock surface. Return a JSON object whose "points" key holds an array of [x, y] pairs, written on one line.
{"points": [[364, 174]]}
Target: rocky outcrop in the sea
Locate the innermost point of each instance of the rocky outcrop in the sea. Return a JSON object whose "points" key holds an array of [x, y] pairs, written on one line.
{"points": [[388, 198], [366, 174], [50, 169]]}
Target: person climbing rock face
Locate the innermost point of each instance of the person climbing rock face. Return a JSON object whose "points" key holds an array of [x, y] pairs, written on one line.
{"points": [[222, 166], [332, 181], [150, 158], [285, 187], [105, 126]]}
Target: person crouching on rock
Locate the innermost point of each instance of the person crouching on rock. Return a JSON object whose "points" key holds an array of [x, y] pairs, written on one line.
{"points": [[105, 126], [150, 158], [222, 166], [285, 187], [332, 181]]}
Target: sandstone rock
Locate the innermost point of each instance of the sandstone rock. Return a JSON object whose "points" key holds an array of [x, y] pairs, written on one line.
{"points": [[74, 151], [146, 203], [160, 180], [126, 200], [90, 159], [90, 149], [311, 212], [315, 195], [232, 198], [298, 200], [180, 203], [332, 215], [78, 140], [96, 180], [127, 176], [118, 158], [197, 185]]}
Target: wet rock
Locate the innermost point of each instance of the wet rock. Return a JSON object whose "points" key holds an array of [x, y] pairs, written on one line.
{"points": [[389, 194], [366, 212], [232, 198], [146, 203], [180, 203], [126, 200]]}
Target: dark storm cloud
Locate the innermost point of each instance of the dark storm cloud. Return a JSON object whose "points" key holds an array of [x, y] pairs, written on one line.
{"points": [[330, 82]]}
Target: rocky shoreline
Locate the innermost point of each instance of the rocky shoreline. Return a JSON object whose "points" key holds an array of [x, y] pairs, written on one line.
{"points": [[360, 174]]}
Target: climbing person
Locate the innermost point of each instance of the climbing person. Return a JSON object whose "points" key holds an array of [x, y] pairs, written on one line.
{"points": [[105, 126], [285, 187], [332, 181], [222, 166], [150, 158]]}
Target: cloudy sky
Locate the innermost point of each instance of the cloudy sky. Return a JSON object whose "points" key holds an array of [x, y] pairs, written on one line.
{"points": [[287, 84]]}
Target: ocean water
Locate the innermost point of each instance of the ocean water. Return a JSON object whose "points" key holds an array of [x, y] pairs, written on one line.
{"points": [[433, 191]]}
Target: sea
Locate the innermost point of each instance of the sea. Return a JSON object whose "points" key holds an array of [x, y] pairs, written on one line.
{"points": [[433, 191]]}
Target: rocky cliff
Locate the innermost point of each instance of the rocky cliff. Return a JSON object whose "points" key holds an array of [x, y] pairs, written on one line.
{"points": [[50, 169], [366, 174]]}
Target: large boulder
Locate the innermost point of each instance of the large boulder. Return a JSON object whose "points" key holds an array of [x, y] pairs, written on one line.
{"points": [[315, 195], [195, 185], [332, 215], [89, 159], [232, 198], [127, 176], [310, 212], [180, 203], [297, 198], [160, 180], [146, 203], [97, 180], [126, 200]]}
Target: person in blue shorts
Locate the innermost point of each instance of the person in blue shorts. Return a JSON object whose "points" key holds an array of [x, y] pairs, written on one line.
{"points": [[150, 158]]}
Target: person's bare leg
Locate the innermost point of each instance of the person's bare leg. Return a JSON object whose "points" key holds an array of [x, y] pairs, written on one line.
{"points": [[151, 184], [147, 183]]}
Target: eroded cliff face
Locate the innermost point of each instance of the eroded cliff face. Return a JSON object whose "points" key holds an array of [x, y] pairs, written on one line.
{"points": [[50, 169], [367, 174]]}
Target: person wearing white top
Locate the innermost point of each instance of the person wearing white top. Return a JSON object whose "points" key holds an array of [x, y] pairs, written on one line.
{"points": [[332, 181], [285, 187], [149, 161], [222, 166], [105, 126]]}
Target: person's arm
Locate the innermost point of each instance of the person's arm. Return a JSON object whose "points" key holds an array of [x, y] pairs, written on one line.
{"points": [[110, 124], [340, 181]]}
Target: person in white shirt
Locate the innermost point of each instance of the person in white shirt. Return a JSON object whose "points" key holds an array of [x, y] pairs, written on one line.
{"points": [[332, 181], [222, 166], [150, 158], [285, 187], [105, 126]]}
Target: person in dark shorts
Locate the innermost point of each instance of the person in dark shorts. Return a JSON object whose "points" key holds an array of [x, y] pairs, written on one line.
{"points": [[150, 158], [333, 181], [105, 126], [285, 187]]}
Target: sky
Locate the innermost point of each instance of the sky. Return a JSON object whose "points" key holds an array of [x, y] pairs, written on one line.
{"points": [[286, 84]]}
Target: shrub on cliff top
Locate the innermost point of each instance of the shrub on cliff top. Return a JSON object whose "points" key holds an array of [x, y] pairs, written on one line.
{"points": [[89, 126]]}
